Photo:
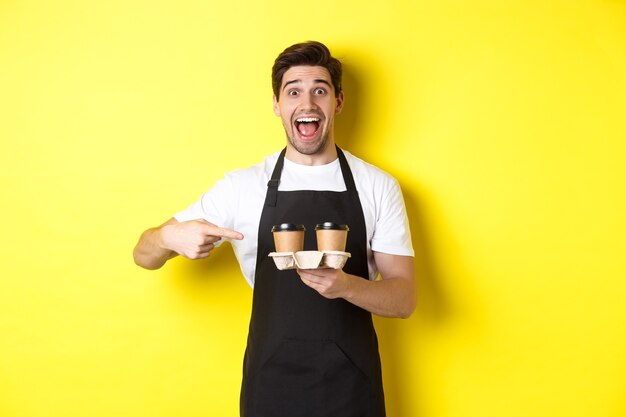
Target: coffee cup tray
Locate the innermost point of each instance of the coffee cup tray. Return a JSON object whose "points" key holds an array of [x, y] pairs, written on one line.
{"points": [[309, 259]]}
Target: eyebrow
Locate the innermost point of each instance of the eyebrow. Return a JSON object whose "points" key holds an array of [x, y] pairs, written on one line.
{"points": [[320, 81]]}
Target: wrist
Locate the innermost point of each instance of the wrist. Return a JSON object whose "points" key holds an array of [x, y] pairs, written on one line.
{"points": [[349, 286], [161, 237]]}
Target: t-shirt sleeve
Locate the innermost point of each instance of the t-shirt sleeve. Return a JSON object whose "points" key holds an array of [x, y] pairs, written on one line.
{"points": [[392, 234], [217, 205]]}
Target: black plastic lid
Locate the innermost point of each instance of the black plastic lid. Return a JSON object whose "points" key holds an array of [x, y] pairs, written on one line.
{"points": [[288, 227], [332, 226]]}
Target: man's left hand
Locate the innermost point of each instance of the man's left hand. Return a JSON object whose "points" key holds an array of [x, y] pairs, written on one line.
{"points": [[330, 283], [393, 295]]}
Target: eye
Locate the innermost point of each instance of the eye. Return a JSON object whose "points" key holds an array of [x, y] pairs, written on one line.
{"points": [[320, 91], [292, 92]]}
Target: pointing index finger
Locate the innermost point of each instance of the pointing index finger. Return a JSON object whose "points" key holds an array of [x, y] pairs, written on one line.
{"points": [[223, 232]]}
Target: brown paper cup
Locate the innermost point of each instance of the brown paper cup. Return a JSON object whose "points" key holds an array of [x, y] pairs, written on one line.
{"points": [[288, 237], [331, 236]]}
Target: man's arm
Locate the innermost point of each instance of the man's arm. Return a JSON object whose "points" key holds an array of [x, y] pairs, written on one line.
{"points": [[393, 296], [194, 239]]}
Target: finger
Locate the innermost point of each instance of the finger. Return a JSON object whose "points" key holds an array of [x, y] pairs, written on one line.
{"points": [[312, 273], [227, 233], [307, 282], [206, 248], [195, 254], [308, 276], [211, 239], [202, 255], [321, 289], [214, 230]]}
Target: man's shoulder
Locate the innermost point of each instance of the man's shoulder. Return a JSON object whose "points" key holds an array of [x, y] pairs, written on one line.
{"points": [[365, 171]]}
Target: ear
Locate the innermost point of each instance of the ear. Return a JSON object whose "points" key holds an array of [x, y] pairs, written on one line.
{"points": [[339, 99], [276, 108]]}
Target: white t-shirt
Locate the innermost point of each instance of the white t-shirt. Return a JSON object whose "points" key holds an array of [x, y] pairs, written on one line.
{"points": [[236, 202]]}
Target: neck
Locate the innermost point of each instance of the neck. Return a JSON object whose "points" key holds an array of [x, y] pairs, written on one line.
{"points": [[323, 157]]}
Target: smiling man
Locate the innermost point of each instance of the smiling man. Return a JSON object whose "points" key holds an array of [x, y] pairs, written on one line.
{"points": [[312, 349]]}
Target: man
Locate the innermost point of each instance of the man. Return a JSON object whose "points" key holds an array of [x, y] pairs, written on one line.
{"points": [[312, 349]]}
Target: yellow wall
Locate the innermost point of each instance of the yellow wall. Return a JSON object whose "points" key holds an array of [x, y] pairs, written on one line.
{"points": [[503, 121]]}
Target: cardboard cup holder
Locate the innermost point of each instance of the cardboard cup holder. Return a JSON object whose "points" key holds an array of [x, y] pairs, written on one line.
{"points": [[309, 259]]}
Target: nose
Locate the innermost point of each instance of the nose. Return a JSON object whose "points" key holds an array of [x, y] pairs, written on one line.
{"points": [[308, 102]]}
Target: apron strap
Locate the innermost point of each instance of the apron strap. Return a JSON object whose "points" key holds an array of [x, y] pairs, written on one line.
{"points": [[345, 171], [272, 185]]}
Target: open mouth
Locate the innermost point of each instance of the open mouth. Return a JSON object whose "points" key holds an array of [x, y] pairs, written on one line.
{"points": [[307, 127]]}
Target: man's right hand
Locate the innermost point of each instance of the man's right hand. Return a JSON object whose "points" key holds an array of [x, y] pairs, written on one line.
{"points": [[194, 239]]}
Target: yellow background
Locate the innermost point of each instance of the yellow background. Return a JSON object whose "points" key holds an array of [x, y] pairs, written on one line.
{"points": [[503, 121]]}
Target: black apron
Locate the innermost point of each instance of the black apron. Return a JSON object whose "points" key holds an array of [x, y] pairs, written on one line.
{"points": [[308, 356]]}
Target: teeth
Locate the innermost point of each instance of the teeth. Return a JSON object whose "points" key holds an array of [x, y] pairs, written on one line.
{"points": [[307, 119]]}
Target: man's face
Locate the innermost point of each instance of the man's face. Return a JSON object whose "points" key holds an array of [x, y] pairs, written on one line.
{"points": [[307, 106]]}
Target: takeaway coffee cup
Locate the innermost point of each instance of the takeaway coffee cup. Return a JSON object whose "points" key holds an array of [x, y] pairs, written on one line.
{"points": [[288, 237], [331, 236]]}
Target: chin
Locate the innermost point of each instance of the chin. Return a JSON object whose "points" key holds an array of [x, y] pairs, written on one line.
{"points": [[309, 148]]}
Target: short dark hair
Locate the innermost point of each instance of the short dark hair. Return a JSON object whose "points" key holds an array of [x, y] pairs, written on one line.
{"points": [[311, 53]]}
